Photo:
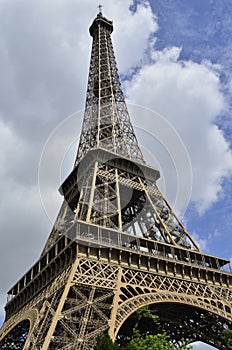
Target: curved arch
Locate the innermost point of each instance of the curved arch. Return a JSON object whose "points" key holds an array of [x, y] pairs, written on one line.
{"points": [[16, 337], [20, 327], [128, 307]]}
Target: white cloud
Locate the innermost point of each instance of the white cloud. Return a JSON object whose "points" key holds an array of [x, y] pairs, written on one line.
{"points": [[201, 346], [132, 35], [201, 242], [189, 96], [21, 216], [169, 54]]}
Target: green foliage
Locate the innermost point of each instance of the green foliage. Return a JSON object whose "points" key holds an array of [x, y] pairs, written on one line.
{"points": [[144, 312], [151, 342], [160, 341], [227, 336], [104, 342]]}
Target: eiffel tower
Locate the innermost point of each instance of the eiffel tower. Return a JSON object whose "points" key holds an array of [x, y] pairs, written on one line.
{"points": [[116, 245]]}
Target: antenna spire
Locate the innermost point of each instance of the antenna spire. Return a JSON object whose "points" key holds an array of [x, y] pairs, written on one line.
{"points": [[100, 9]]}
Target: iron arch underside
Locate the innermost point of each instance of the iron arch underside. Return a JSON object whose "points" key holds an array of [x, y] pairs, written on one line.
{"points": [[16, 338], [182, 322]]}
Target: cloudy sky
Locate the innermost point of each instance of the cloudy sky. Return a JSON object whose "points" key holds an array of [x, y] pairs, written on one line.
{"points": [[175, 60]]}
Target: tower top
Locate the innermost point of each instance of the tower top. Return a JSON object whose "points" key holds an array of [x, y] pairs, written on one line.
{"points": [[106, 121], [100, 21], [100, 8]]}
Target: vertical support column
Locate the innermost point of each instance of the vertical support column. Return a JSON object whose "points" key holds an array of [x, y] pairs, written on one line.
{"points": [[156, 213], [118, 201], [58, 311], [92, 193], [115, 306], [78, 204], [85, 317]]}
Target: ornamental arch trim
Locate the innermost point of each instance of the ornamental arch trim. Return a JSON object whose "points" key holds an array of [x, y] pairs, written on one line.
{"points": [[30, 315], [127, 308]]}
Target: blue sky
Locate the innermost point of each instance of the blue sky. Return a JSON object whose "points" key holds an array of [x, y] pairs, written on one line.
{"points": [[175, 58], [203, 30]]}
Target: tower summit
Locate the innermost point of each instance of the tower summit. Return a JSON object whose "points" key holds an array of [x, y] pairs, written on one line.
{"points": [[116, 245], [106, 121]]}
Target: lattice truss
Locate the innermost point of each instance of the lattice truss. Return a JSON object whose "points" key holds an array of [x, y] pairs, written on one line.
{"points": [[69, 314], [106, 121], [110, 197], [92, 296], [189, 310]]}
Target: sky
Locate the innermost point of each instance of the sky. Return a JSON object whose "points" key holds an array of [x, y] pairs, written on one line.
{"points": [[175, 61]]}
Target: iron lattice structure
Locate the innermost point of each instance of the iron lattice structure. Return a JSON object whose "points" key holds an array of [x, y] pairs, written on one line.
{"points": [[116, 245]]}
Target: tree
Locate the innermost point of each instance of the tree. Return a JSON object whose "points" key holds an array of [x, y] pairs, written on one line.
{"points": [[151, 342], [104, 342], [160, 341], [227, 336], [138, 341]]}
